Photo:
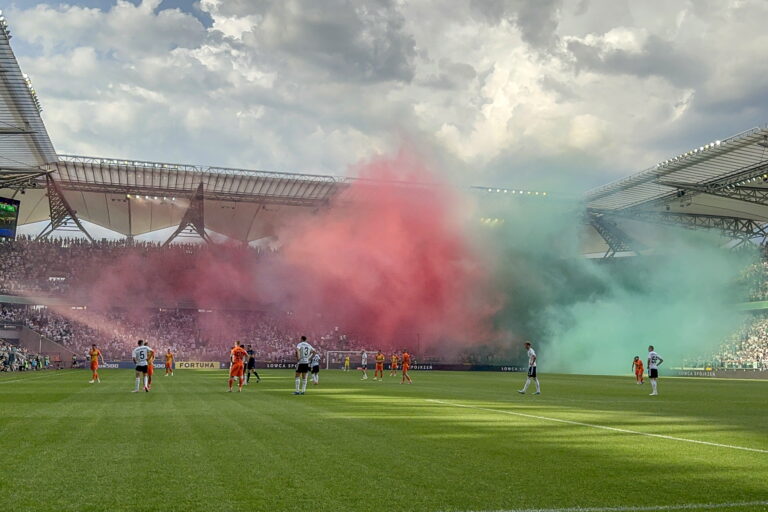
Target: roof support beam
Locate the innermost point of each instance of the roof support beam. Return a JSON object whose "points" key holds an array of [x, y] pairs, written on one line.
{"points": [[21, 178], [194, 217], [733, 227], [61, 211], [754, 195], [614, 236]]}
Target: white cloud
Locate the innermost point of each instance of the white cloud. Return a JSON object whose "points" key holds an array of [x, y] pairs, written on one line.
{"points": [[504, 91]]}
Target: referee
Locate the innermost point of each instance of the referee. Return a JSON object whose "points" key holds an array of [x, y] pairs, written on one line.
{"points": [[251, 366]]}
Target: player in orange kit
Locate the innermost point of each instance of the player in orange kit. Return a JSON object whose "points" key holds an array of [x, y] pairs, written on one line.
{"points": [[379, 371], [406, 367], [95, 354], [637, 367], [237, 357], [169, 363], [150, 368], [394, 360]]}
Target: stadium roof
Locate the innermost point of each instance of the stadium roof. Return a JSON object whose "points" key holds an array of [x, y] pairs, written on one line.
{"points": [[722, 162], [135, 197], [722, 184], [24, 142]]}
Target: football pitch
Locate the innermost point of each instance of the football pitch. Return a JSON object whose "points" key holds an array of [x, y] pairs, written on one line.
{"points": [[452, 441]]}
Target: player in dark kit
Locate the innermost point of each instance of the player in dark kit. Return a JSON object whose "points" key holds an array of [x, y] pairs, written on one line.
{"points": [[251, 366]]}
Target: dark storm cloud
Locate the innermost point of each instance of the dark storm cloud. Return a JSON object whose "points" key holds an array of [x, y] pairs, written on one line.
{"points": [[536, 20], [657, 58], [351, 41]]}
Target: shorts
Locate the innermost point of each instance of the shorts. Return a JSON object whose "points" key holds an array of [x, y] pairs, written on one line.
{"points": [[639, 373], [532, 372], [379, 367], [302, 368], [141, 368], [406, 367], [316, 369], [94, 366], [653, 373], [364, 366], [168, 366], [150, 369], [251, 364], [236, 370]]}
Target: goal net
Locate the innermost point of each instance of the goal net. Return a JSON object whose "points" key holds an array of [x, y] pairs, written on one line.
{"points": [[335, 358]]}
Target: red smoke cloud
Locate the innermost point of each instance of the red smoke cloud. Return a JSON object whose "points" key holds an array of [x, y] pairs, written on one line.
{"points": [[393, 262], [389, 261]]}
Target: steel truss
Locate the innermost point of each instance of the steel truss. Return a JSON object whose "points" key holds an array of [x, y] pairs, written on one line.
{"points": [[194, 218], [61, 211], [733, 227], [614, 236], [734, 186], [279, 200], [111, 176], [747, 194], [21, 177]]}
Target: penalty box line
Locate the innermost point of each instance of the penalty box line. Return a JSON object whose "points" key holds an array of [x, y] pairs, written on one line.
{"points": [[650, 508], [602, 427]]}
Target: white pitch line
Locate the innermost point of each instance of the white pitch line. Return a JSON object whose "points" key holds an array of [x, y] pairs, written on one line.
{"points": [[690, 506], [603, 427]]}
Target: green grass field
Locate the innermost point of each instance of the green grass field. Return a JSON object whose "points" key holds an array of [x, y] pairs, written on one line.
{"points": [[452, 442]]}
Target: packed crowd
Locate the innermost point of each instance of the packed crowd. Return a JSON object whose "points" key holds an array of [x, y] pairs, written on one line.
{"points": [[15, 359], [190, 334], [747, 348], [62, 266], [755, 278]]}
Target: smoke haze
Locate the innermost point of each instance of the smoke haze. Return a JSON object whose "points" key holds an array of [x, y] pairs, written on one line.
{"points": [[413, 266]]}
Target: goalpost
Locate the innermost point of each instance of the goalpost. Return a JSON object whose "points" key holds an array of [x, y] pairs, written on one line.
{"points": [[335, 358]]}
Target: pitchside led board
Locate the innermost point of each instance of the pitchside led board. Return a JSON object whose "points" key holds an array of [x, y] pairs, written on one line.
{"points": [[9, 216]]}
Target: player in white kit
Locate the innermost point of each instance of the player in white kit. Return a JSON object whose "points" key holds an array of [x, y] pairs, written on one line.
{"points": [[141, 357], [653, 368], [315, 369], [364, 364], [531, 370], [304, 353]]}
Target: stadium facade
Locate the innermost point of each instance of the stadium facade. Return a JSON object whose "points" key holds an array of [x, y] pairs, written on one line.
{"points": [[721, 185]]}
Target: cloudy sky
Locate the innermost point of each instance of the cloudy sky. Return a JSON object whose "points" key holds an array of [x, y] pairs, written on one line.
{"points": [[497, 92]]}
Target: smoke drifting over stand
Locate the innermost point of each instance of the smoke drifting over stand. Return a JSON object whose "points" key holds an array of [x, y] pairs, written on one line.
{"points": [[387, 258], [593, 315], [403, 261]]}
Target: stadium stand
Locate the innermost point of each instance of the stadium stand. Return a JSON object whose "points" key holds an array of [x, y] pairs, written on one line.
{"points": [[15, 359], [745, 349], [190, 334]]}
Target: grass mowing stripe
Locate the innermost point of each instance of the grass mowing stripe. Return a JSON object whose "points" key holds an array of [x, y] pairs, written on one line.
{"points": [[25, 379], [651, 508], [603, 427]]}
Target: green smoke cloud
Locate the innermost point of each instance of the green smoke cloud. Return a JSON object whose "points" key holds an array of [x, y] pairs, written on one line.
{"points": [[592, 315]]}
